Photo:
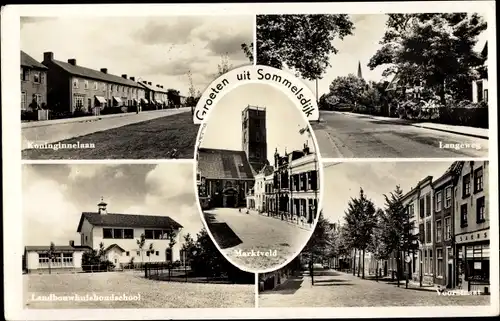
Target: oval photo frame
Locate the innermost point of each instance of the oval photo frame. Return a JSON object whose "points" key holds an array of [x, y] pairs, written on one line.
{"points": [[228, 224]]}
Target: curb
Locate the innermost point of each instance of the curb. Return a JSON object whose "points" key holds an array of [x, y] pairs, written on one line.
{"points": [[85, 119], [422, 126]]}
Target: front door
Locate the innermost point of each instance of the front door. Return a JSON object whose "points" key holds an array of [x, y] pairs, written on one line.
{"points": [[449, 276]]}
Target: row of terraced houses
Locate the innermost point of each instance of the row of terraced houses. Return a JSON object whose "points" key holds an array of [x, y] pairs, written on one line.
{"points": [[450, 215], [67, 87]]}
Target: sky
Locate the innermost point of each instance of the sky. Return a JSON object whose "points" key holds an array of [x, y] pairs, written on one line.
{"points": [[283, 120], [359, 48], [158, 49], [344, 180], [55, 195]]}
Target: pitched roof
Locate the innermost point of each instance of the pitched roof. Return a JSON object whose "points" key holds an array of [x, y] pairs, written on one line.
{"points": [[28, 61], [94, 74], [267, 170], [58, 248], [224, 164], [153, 88], [128, 220], [112, 246]]}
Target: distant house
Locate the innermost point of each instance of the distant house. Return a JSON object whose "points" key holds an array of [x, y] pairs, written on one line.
{"points": [[72, 87], [33, 83], [64, 257], [480, 86], [119, 234], [154, 95]]}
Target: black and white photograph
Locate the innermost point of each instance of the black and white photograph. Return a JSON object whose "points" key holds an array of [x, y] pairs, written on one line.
{"points": [[122, 87], [258, 177], [121, 236], [393, 234], [388, 85]]}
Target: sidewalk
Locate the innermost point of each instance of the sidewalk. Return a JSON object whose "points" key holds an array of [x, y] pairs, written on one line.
{"points": [[83, 119], [460, 130], [264, 214]]}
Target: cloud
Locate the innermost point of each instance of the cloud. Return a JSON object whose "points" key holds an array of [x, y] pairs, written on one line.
{"points": [[60, 216], [171, 180], [168, 30]]}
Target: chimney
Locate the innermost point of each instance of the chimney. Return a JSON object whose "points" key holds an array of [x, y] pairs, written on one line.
{"points": [[124, 76], [72, 62], [104, 70], [306, 149], [48, 56], [149, 83], [72, 243], [102, 207], [144, 81], [132, 78], [157, 86]]}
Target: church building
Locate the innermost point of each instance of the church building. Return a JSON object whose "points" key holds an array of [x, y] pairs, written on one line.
{"points": [[226, 176]]}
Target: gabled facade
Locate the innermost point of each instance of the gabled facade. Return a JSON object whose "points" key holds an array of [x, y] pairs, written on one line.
{"points": [[33, 83], [119, 234], [155, 96], [472, 226]]}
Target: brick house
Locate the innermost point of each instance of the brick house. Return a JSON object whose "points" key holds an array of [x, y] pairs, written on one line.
{"points": [[33, 83], [72, 87], [472, 226], [154, 95], [444, 224]]}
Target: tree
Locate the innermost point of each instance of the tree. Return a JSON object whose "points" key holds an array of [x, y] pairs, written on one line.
{"points": [[248, 50], [361, 220], [348, 90], [301, 42], [224, 65], [376, 245], [192, 98], [151, 250], [141, 242], [435, 48], [397, 227], [173, 96], [50, 253], [318, 243]]}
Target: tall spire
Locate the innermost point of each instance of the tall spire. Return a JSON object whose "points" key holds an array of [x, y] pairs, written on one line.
{"points": [[360, 75]]}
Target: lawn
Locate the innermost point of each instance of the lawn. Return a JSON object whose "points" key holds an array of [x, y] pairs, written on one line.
{"points": [[153, 294], [168, 137]]}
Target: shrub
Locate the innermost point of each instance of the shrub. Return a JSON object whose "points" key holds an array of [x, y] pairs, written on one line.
{"points": [[111, 110], [29, 115]]}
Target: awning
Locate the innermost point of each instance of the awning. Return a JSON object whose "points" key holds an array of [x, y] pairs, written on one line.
{"points": [[117, 99], [100, 99], [135, 100], [145, 100]]}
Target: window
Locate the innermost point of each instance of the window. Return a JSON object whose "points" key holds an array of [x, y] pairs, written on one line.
{"points": [[148, 234], [96, 85], [477, 262], [118, 233], [75, 82], [421, 232], [107, 233], [439, 231], [86, 84], [127, 253], [156, 234], [439, 201], [447, 228], [480, 210], [447, 196], [466, 186], [25, 74], [422, 208], [168, 255], [428, 204], [103, 86], [431, 266], [463, 215], [411, 210], [428, 232], [439, 256], [478, 180], [42, 78], [78, 100], [157, 253], [23, 101], [43, 258], [138, 253], [128, 233], [86, 238], [36, 77], [426, 261]]}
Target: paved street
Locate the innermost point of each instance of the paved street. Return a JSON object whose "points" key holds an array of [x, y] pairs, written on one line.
{"points": [[58, 132], [359, 136], [336, 289], [247, 232]]}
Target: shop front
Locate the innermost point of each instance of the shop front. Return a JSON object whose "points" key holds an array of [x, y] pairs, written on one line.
{"points": [[473, 261]]}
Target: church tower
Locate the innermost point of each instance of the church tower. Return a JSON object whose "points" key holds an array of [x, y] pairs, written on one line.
{"points": [[360, 75], [254, 139]]}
